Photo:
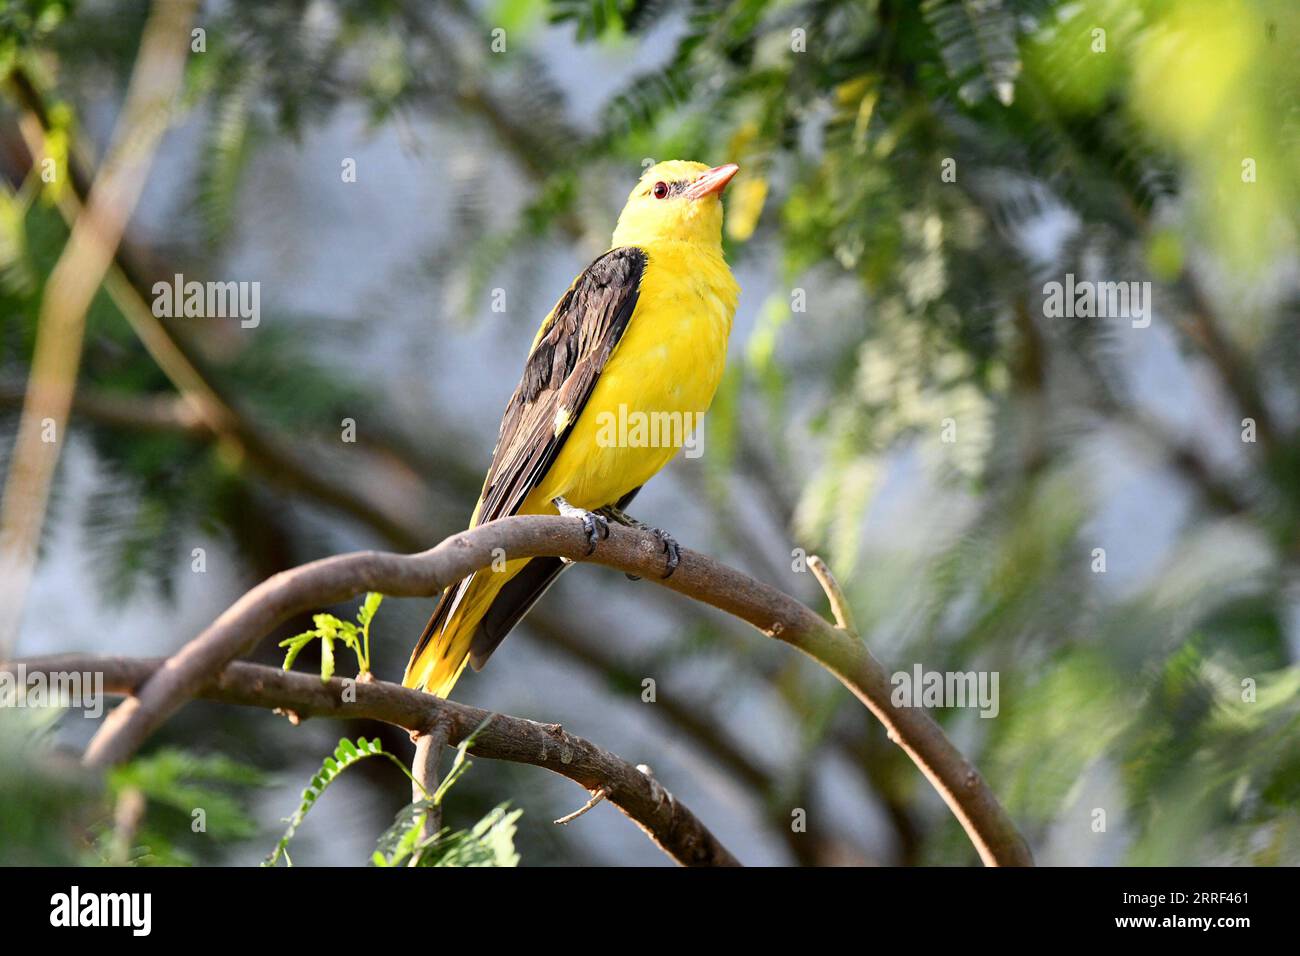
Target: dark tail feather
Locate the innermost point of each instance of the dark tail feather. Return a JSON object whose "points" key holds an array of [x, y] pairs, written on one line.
{"points": [[515, 599]]}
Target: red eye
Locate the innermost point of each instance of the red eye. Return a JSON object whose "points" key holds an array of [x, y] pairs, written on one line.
{"points": [[660, 191]]}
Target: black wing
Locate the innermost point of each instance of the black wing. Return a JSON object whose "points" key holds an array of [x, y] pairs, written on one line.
{"points": [[576, 341]]}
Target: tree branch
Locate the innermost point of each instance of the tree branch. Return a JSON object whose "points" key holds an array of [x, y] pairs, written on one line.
{"points": [[691, 718], [776, 614], [424, 770], [668, 822], [204, 412]]}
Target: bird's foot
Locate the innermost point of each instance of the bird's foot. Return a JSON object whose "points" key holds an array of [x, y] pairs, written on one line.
{"points": [[672, 551], [671, 548], [619, 516], [594, 524]]}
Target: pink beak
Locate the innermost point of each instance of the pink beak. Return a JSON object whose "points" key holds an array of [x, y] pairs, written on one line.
{"points": [[711, 181]]}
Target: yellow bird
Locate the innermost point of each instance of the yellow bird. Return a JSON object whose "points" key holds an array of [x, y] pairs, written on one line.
{"points": [[641, 336]]}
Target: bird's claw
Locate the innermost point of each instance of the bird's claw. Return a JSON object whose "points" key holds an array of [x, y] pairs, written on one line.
{"points": [[672, 551], [671, 548], [594, 524], [596, 528]]}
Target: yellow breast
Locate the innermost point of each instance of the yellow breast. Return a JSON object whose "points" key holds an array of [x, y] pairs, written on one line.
{"points": [[658, 383]]}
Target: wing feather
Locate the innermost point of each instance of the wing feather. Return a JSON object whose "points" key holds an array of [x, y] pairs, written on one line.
{"points": [[582, 332], [567, 357]]}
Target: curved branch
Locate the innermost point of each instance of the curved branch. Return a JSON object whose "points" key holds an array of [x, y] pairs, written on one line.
{"points": [[669, 823], [776, 614], [691, 718]]}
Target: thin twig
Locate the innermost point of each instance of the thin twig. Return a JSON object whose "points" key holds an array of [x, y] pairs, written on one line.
{"points": [[834, 593], [596, 797]]}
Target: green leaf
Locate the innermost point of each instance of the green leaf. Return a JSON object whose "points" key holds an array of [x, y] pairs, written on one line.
{"points": [[328, 629], [368, 609], [295, 645], [345, 755], [490, 842]]}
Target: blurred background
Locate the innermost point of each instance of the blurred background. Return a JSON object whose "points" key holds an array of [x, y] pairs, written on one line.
{"points": [[1114, 531]]}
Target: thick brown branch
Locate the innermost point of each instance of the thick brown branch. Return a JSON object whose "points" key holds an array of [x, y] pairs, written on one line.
{"points": [[774, 613], [668, 822], [692, 718]]}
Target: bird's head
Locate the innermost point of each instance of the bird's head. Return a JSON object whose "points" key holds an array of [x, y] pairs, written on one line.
{"points": [[675, 200]]}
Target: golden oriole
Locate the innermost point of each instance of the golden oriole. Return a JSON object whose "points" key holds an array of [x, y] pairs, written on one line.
{"points": [[641, 332]]}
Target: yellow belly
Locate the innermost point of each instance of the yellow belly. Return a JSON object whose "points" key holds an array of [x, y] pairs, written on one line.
{"points": [[656, 386]]}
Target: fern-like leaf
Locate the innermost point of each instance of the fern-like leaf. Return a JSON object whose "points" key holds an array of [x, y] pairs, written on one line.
{"points": [[345, 755], [977, 40]]}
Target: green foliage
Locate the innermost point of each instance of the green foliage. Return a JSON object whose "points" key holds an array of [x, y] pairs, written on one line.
{"points": [[346, 754], [230, 141], [190, 807], [489, 842], [329, 629], [978, 45], [610, 19], [41, 801], [1039, 738], [182, 792], [24, 23], [184, 782]]}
